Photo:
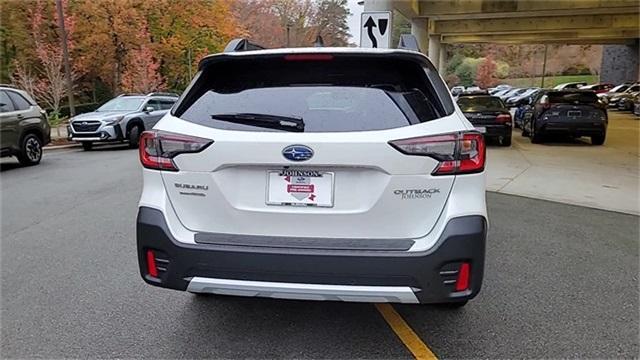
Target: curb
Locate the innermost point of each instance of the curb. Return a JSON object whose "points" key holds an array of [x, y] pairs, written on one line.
{"points": [[60, 147]]}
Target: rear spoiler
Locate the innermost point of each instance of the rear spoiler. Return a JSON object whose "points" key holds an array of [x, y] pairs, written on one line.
{"points": [[407, 42]]}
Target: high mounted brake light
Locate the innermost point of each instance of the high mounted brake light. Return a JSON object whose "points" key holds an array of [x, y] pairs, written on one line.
{"points": [[158, 148], [458, 153]]}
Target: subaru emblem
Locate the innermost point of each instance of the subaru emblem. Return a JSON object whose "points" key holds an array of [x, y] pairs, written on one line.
{"points": [[84, 123], [297, 153]]}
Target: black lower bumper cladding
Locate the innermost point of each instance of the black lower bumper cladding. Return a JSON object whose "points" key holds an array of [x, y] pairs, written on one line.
{"points": [[431, 273]]}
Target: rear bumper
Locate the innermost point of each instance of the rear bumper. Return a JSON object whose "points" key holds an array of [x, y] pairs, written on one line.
{"points": [[575, 129], [494, 131], [318, 274]]}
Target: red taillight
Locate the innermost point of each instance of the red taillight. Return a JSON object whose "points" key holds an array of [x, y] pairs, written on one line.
{"points": [[503, 119], [308, 57], [462, 283], [151, 264], [459, 153], [158, 148]]}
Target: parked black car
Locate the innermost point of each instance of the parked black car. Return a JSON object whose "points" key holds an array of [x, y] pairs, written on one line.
{"points": [[573, 112], [489, 115]]}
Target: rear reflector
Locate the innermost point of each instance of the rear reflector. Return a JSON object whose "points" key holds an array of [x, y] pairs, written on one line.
{"points": [[308, 57], [151, 264], [458, 153], [158, 148], [462, 283]]}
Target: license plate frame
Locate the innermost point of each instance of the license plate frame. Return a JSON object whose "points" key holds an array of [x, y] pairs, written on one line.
{"points": [[282, 192]]}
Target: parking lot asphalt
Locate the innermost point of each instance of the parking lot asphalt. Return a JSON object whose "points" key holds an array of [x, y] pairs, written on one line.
{"points": [[561, 281]]}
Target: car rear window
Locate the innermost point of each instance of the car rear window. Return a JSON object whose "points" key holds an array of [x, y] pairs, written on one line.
{"points": [[333, 94], [479, 103], [572, 97]]}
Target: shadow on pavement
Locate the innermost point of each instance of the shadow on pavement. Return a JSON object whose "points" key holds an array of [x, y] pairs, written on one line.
{"points": [[4, 166]]}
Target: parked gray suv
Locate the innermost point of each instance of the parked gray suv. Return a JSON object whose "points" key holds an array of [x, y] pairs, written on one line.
{"points": [[123, 118], [24, 129]]}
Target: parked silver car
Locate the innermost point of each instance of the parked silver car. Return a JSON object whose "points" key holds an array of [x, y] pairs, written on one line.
{"points": [[123, 118]]}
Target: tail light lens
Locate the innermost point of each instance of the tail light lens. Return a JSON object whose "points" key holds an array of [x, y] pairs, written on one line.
{"points": [[158, 148], [458, 153], [503, 119]]}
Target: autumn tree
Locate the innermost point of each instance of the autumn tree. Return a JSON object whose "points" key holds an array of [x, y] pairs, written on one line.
{"points": [[47, 83], [486, 73], [141, 72], [260, 22], [330, 21]]}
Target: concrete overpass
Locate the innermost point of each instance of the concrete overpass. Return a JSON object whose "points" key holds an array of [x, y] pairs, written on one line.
{"points": [[436, 23]]}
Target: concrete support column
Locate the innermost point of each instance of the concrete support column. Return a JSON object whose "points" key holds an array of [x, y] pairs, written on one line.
{"points": [[378, 5], [419, 30], [434, 50], [442, 59]]}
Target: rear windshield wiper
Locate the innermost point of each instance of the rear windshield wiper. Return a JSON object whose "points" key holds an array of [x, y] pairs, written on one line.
{"points": [[279, 122]]}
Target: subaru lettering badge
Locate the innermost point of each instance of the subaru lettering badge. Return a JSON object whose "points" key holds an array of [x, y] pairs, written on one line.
{"points": [[297, 153]]}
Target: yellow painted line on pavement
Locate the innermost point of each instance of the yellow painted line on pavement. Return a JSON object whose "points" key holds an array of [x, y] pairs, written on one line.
{"points": [[418, 348]]}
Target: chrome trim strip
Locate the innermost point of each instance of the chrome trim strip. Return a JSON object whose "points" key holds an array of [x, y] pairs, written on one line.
{"points": [[80, 139], [298, 291]]}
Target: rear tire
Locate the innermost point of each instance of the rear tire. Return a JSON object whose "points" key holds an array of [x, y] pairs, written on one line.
{"points": [[134, 136], [536, 138], [30, 150], [597, 139], [87, 145], [506, 141]]}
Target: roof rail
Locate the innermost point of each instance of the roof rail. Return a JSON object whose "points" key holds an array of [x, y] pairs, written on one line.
{"points": [[130, 94], [163, 94], [241, 45], [408, 42]]}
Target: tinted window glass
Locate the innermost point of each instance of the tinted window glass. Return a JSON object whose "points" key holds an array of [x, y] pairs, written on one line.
{"points": [[322, 108], [572, 97], [19, 102], [342, 93], [155, 104], [166, 104], [478, 103], [5, 103], [122, 104], [619, 88]]}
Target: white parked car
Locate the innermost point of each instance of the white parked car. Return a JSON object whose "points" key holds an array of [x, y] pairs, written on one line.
{"points": [[318, 174]]}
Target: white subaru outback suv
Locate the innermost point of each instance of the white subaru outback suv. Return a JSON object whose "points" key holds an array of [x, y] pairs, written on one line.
{"points": [[315, 173]]}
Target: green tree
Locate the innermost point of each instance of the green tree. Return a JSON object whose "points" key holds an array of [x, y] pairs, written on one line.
{"points": [[466, 71]]}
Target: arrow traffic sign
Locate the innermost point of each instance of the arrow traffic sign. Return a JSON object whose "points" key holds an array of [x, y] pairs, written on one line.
{"points": [[375, 29]]}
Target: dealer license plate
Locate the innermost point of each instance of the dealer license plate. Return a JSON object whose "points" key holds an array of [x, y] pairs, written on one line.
{"points": [[296, 187]]}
